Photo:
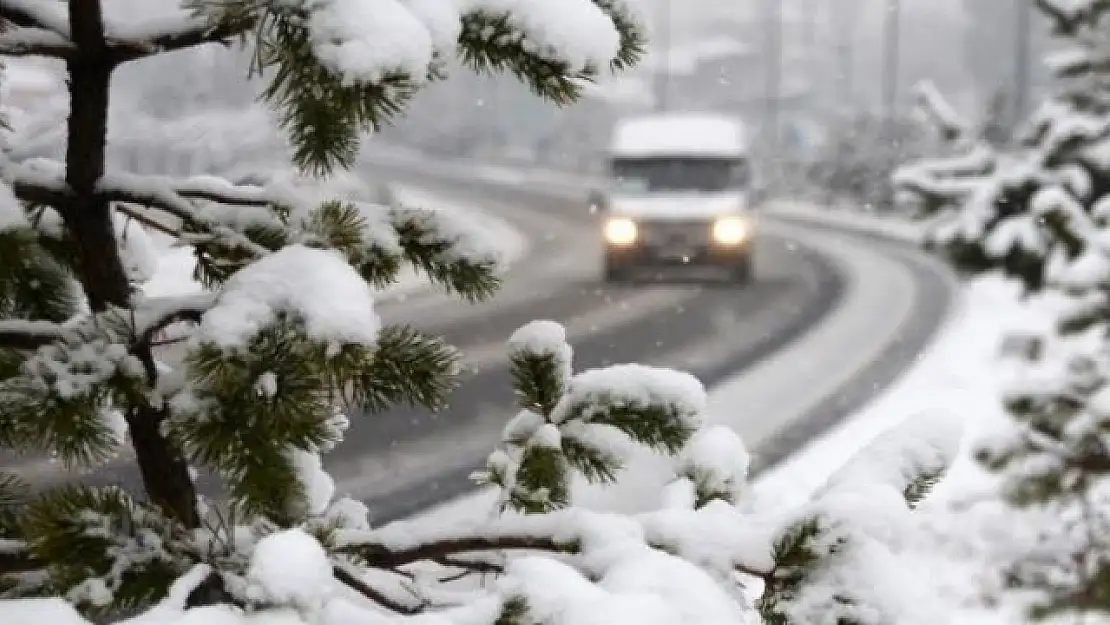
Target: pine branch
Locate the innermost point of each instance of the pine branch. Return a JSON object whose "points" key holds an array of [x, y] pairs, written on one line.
{"points": [[184, 309], [1064, 23], [491, 43], [323, 115], [919, 488], [404, 367], [50, 189], [13, 491], [434, 253], [149, 192], [82, 533]]}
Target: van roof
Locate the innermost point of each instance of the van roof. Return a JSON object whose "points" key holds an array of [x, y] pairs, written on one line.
{"points": [[679, 134]]}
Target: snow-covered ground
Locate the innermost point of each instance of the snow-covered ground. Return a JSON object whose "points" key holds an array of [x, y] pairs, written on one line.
{"points": [[957, 374], [962, 525]]}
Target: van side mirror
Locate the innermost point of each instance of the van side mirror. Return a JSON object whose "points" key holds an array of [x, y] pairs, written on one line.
{"points": [[756, 199], [597, 202]]}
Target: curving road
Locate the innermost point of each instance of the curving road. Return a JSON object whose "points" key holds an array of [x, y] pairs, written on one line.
{"points": [[833, 318], [406, 460]]}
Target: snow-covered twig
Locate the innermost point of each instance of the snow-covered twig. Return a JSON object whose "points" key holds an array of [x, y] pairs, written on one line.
{"points": [[156, 193], [35, 42], [380, 554], [150, 222], [23, 334], [221, 192], [470, 566], [167, 36], [48, 187], [35, 14], [368, 591]]}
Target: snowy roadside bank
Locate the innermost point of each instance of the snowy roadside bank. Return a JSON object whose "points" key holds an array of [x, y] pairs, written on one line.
{"points": [[889, 227], [965, 525]]}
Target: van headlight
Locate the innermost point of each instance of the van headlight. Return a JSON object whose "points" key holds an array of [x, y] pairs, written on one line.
{"points": [[621, 231], [730, 231]]}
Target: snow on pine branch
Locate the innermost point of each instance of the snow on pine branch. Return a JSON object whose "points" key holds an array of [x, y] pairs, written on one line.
{"points": [[42, 14], [11, 212], [904, 460], [318, 286], [364, 43], [368, 60], [35, 42], [232, 224], [840, 560], [568, 422]]}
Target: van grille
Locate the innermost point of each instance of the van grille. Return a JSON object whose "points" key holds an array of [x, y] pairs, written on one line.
{"points": [[675, 233]]}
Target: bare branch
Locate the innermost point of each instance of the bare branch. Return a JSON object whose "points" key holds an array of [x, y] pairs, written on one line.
{"points": [[474, 566], [348, 578], [29, 335], [146, 220], [18, 562], [766, 576], [173, 310], [379, 555], [376, 554], [229, 194], [187, 33]]}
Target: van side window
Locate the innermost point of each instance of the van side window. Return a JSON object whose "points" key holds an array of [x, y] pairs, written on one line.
{"points": [[741, 174]]}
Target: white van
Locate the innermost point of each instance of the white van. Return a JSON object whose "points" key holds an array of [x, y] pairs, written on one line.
{"points": [[678, 193]]}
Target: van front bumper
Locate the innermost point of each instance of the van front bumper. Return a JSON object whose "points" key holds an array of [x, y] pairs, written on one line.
{"points": [[660, 255]]}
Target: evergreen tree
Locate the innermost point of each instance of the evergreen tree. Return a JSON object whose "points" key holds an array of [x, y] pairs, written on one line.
{"points": [[285, 342], [1038, 213]]}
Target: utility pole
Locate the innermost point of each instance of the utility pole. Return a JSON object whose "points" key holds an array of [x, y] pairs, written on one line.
{"points": [[892, 52], [809, 37], [663, 47], [843, 17], [1022, 41], [773, 86]]}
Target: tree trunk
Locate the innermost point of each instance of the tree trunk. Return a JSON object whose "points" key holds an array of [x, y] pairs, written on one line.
{"points": [[99, 267], [165, 471]]}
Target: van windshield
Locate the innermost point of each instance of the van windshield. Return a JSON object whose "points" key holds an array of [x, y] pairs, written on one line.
{"points": [[659, 174]]}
